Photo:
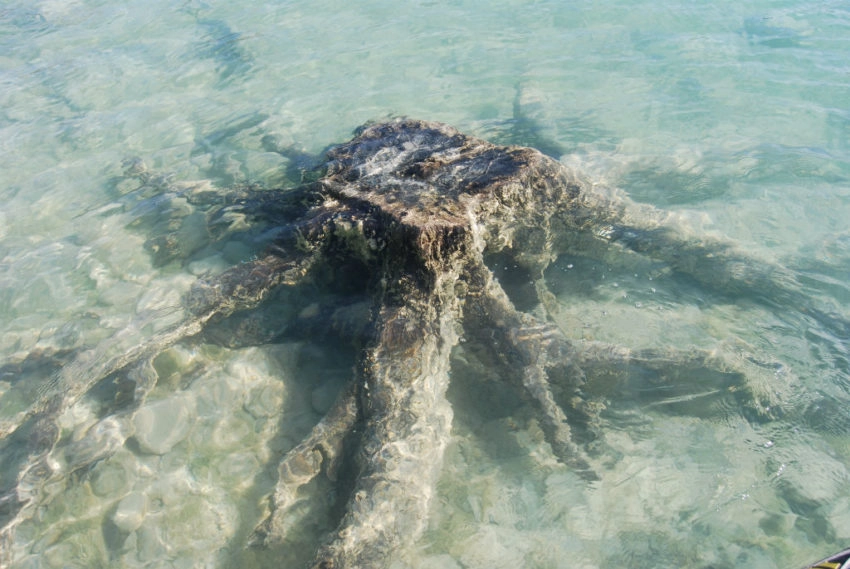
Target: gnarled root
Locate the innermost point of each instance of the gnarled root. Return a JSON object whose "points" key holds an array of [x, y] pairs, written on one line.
{"points": [[529, 350], [559, 374], [694, 381], [321, 452], [407, 422]]}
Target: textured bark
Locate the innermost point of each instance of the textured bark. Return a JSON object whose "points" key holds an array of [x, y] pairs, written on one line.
{"points": [[414, 208]]}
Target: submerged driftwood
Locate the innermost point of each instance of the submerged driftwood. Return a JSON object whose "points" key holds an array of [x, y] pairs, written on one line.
{"points": [[404, 216]]}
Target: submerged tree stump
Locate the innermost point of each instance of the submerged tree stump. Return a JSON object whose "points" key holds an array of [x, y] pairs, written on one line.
{"points": [[402, 220]]}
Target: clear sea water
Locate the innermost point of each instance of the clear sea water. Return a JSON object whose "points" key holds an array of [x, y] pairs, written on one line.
{"points": [[737, 113]]}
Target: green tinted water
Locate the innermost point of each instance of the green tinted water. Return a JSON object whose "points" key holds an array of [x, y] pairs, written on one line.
{"points": [[734, 112]]}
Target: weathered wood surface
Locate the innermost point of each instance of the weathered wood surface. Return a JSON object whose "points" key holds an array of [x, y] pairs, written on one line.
{"points": [[404, 216]]}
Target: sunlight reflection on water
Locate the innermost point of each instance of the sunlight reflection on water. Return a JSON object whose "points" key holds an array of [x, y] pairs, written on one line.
{"points": [[730, 110]]}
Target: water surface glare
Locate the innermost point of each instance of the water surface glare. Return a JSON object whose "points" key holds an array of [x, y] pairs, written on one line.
{"points": [[734, 114]]}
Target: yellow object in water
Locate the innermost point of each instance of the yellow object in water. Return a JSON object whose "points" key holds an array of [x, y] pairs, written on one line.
{"points": [[837, 561]]}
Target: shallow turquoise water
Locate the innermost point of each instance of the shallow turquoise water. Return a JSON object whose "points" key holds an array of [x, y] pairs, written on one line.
{"points": [[736, 113]]}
